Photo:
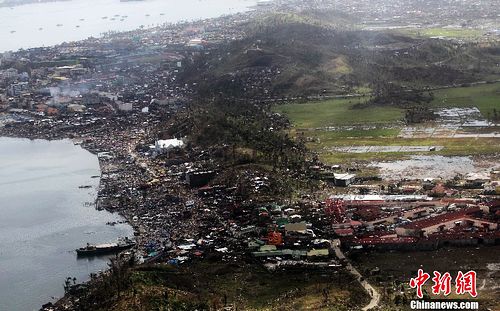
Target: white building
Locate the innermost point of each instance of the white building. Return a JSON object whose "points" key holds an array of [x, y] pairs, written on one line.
{"points": [[163, 146], [125, 106]]}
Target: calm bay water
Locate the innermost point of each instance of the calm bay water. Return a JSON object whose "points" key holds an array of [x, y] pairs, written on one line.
{"points": [[44, 217], [46, 24]]}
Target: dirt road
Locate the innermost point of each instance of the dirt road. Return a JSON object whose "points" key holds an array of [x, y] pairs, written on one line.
{"points": [[375, 296]]}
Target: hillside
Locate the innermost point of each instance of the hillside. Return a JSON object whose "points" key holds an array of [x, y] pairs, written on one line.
{"points": [[290, 55]]}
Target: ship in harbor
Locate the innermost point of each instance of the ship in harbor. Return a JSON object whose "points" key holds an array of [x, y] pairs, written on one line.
{"points": [[104, 249]]}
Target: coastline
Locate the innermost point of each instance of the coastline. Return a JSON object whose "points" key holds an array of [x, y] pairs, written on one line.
{"points": [[63, 219], [125, 216], [80, 23], [102, 169]]}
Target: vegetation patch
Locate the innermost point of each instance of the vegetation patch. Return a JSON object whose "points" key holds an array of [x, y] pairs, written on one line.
{"points": [[486, 97], [373, 125], [458, 33], [322, 141], [337, 112], [208, 285]]}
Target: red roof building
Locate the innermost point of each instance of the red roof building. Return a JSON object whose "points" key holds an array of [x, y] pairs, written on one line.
{"points": [[444, 222]]}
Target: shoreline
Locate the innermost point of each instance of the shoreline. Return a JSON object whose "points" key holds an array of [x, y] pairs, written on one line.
{"points": [[127, 218], [147, 25], [70, 256], [99, 190]]}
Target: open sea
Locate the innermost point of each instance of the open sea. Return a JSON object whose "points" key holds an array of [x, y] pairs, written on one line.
{"points": [[47, 24]]}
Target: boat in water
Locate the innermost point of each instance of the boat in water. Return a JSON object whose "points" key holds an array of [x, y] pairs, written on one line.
{"points": [[103, 249]]}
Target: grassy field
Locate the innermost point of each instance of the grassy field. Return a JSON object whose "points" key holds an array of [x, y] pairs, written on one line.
{"points": [[485, 97], [380, 126], [338, 112], [458, 33], [452, 147]]}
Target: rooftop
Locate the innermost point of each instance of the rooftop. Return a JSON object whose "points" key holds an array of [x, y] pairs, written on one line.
{"points": [[432, 221]]}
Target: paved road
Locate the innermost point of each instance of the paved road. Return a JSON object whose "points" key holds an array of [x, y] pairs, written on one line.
{"points": [[374, 294]]}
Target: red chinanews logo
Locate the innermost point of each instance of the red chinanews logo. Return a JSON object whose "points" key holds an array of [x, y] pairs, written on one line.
{"points": [[465, 283]]}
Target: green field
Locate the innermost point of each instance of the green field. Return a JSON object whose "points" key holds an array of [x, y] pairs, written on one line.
{"points": [[452, 147], [485, 97], [384, 124], [338, 112], [459, 33]]}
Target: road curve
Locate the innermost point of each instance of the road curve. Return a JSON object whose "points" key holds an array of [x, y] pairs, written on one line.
{"points": [[374, 294]]}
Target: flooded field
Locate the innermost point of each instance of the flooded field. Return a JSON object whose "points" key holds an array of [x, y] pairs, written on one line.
{"points": [[454, 123], [366, 149], [422, 167]]}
